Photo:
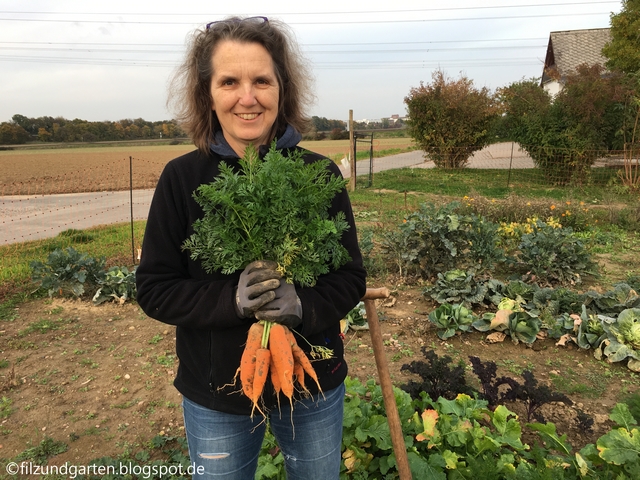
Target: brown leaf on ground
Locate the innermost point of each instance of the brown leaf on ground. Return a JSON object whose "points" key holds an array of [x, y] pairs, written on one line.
{"points": [[496, 337]]}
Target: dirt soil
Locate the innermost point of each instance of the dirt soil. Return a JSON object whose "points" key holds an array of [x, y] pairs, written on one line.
{"points": [[99, 378], [95, 169]]}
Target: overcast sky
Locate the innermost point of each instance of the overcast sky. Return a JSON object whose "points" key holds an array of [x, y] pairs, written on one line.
{"points": [[112, 60]]}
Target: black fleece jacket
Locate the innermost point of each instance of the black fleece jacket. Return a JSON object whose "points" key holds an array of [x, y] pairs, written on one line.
{"points": [[210, 336]]}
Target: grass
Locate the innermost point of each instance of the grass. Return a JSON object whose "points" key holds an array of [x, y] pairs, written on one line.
{"points": [[112, 242], [39, 454], [365, 154], [492, 183]]}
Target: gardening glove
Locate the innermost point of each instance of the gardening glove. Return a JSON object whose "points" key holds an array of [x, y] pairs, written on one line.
{"points": [[256, 287], [286, 309]]}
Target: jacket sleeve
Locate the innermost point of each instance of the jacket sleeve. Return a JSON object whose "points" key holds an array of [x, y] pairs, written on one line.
{"points": [[171, 287], [337, 292]]}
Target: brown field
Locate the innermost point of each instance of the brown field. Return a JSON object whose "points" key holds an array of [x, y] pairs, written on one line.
{"points": [[90, 169]]}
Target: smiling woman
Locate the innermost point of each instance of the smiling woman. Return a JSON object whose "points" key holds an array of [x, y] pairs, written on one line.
{"points": [[190, 94], [243, 85], [244, 93]]}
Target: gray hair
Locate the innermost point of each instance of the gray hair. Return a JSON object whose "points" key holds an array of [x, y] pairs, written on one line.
{"points": [[190, 88]]}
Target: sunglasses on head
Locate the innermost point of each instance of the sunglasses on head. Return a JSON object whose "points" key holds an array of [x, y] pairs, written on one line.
{"points": [[248, 19]]}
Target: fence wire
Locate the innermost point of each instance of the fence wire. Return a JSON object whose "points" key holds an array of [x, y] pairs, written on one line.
{"points": [[120, 190]]}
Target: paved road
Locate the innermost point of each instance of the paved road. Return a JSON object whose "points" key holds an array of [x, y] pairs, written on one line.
{"points": [[33, 217], [499, 155]]}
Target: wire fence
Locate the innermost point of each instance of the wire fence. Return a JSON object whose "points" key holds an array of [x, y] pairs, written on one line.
{"points": [[513, 165], [43, 205]]}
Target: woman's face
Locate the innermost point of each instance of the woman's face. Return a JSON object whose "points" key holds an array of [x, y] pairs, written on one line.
{"points": [[244, 93]]}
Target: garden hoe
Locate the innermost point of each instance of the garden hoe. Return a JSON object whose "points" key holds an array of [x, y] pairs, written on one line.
{"points": [[393, 417]]}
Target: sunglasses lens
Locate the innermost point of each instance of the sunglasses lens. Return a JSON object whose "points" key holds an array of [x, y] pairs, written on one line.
{"points": [[235, 20]]}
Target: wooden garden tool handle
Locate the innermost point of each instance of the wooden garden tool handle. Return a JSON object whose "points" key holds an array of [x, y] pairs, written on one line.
{"points": [[376, 293], [393, 417]]}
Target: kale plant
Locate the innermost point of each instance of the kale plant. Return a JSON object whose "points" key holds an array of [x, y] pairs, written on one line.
{"points": [[430, 240], [554, 255], [490, 383], [535, 396], [483, 238], [439, 379], [371, 262], [67, 272], [584, 422]]}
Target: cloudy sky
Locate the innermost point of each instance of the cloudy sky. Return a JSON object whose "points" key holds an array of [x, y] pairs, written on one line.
{"points": [[112, 60]]}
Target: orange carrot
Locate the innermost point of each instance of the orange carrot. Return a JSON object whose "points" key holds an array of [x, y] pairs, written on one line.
{"points": [[301, 358], [248, 360], [298, 371], [263, 361], [275, 378], [282, 358]]}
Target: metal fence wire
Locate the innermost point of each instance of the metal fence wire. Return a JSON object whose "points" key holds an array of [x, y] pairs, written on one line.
{"points": [[120, 190]]}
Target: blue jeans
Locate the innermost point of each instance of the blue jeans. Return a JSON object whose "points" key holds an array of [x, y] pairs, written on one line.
{"points": [[228, 445]]}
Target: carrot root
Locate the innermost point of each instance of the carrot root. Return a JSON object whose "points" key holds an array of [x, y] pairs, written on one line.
{"points": [[262, 363], [282, 359], [248, 359]]}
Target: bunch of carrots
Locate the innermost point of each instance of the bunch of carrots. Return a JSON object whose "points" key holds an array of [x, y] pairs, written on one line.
{"points": [[272, 352]]}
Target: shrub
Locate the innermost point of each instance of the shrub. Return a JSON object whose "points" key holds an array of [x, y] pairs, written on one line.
{"points": [[450, 119], [565, 136]]}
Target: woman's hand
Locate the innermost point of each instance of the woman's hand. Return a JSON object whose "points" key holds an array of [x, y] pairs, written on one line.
{"points": [[285, 309], [256, 287]]}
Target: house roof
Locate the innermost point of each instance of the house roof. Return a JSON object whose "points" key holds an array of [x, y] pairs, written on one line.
{"points": [[570, 48]]}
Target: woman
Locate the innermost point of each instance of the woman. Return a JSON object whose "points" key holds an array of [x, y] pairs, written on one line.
{"points": [[243, 83]]}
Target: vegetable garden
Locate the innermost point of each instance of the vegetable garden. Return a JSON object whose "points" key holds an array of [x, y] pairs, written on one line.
{"points": [[512, 333]]}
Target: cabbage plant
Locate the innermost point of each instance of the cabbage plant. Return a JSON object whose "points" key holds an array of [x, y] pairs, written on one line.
{"points": [[623, 339]]}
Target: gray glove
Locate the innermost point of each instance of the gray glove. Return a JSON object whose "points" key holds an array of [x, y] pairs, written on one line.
{"points": [[286, 309], [256, 287]]}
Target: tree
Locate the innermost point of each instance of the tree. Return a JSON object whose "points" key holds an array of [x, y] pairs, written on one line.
{"points": [[623, 51], [565, 136], [521, 103], [450, 119], [12, 134]]}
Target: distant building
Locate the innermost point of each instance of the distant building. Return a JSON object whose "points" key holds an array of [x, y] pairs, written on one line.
{"points": [[568, 49]]}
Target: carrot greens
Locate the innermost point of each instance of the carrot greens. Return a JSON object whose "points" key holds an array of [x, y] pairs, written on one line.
{"points": [[276, 208]]}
